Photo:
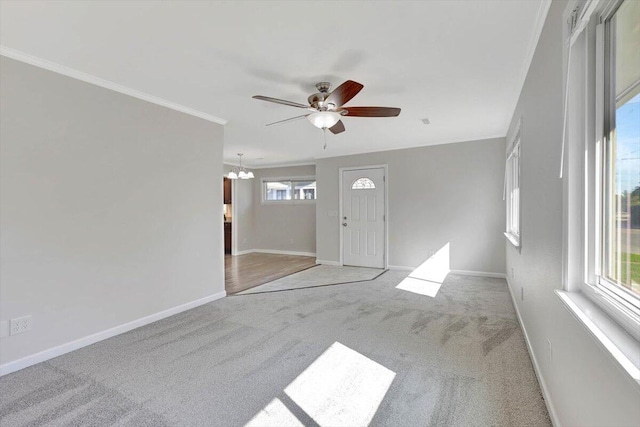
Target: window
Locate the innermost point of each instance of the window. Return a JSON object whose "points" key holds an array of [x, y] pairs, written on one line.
{"points": [[601, 233], [363, 184], [512, 189], [289, 190], [620, 190]]}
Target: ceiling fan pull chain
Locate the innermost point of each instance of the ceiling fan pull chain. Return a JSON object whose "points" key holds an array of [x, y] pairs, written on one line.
{"points": [[325, 138]]}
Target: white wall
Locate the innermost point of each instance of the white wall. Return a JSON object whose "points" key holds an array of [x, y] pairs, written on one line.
{"points": [[584, 385], [449, 193], [109, 208], [290, 228]]}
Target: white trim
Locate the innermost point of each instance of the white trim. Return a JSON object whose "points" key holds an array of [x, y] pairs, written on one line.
{"points": [[79, 75], [386, 208], [536, 367], [513, 136], [279, 252], [245, 252], [282, 165], [541, 17], [479, 139], [234, 213], [458, 272], [59, 350], [513, 161], [323, 262], [515, 241], [584, 18], [400, 268], [612, 338], [479, 274]]}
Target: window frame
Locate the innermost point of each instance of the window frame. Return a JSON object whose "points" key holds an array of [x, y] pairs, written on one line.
{"points": [[513, 167], [291, 180], [586, 181], [608, 107]]}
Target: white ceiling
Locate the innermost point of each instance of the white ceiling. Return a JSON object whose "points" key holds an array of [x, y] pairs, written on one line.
{"points": [[459, 63]]}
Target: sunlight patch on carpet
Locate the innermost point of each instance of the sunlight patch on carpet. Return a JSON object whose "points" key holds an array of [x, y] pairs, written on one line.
{"points": [[427, 278], [275, 414], [340, 388]]}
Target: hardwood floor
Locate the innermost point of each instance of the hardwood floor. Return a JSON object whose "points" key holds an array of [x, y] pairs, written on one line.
{"points": [[247, 271]]}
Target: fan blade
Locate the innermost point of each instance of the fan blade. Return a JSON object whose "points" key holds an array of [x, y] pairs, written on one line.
{"points": [[372, 111], [337, 128], [280, 101], [344, 93], [289, 120]]}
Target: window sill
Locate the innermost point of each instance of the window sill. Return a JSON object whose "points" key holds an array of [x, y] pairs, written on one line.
{"points": [[614, 340], [515, 240]]}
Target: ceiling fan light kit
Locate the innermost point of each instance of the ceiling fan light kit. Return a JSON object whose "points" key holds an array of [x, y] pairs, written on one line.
{"points": [[327, 107], [239, 172], [324, 119]]}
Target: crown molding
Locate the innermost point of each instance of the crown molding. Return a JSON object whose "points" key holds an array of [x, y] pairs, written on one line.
{"points": [[283, 165], [410, 147], [88, 78], [541, 17]]}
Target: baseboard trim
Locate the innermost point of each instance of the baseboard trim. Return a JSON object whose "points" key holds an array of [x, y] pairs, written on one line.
{"points": [[42, 356], [275, 252], [248, 251], [460, 272], [479, 274], [323, 262], [536, 368], [278, 252], [401, 268]]}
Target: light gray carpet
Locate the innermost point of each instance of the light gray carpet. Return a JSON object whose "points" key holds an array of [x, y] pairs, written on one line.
{"points": [[320, 275], [456, 359]]}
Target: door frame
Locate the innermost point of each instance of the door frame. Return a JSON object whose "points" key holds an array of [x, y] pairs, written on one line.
{"points": [[385, 256], [234, 223]]}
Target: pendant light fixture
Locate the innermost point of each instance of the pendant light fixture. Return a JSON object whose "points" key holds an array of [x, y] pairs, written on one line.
{"points": [[240, 172]]}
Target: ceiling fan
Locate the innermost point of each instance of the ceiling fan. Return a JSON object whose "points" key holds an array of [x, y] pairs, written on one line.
{"points": [[327, 108]]}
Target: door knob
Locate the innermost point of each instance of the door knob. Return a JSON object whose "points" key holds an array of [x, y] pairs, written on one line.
{"points": [[344, 224]]}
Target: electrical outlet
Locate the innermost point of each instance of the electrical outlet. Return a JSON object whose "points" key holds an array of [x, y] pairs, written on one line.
{"points": [[549, 351], [291, 241], [20, 325], [522, 293], [512, 273]]}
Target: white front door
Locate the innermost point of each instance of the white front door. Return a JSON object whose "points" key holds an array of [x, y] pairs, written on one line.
{"points": [[362, 221]]}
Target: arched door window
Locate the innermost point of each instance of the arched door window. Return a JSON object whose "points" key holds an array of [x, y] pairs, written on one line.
{"points": [[363, 184]]}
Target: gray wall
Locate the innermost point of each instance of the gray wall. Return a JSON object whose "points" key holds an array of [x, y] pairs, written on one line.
{"points": [[283, 227], [585, 386], [109, 208], [449, 193], [242, 199]]}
